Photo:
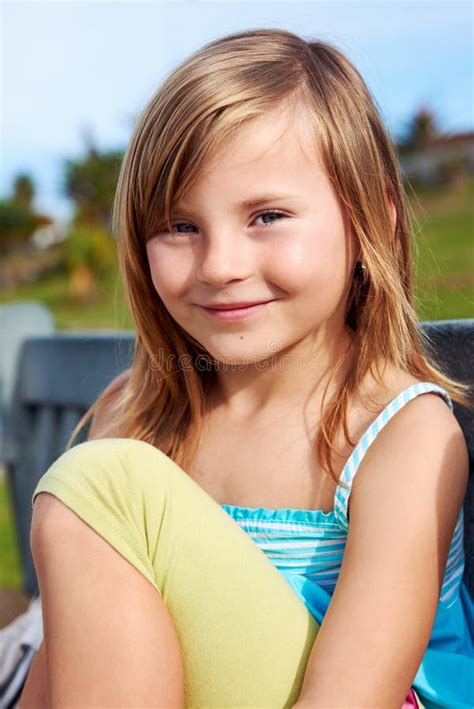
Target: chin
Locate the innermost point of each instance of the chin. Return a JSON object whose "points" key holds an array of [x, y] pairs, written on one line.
{"points": [[242, 356]]}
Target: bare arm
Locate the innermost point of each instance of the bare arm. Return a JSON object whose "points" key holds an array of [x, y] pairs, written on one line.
{"points": [[404, 504]]}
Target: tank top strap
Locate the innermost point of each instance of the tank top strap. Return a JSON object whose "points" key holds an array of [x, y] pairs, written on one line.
{"points": [[341, 497]]}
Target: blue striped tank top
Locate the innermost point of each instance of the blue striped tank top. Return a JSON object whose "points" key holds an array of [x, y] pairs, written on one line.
{"points": [[307, 547]]}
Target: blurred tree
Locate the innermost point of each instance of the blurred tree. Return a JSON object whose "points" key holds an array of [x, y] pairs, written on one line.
{"points": [[16, 225], [18, 218], [90, 183], [420, 129], [89, 252], [23, 191], [89, 249]]}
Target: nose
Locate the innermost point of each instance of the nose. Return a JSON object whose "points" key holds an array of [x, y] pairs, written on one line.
{"points": [[224, 258]]}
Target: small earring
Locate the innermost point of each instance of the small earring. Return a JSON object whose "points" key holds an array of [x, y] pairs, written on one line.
{"points": [[362, 270]]}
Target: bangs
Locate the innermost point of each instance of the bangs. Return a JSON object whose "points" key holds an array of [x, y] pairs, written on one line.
{"points": [[188, 159]]}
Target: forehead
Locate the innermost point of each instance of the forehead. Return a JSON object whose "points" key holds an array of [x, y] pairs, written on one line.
{"points": [[269, 153], [268, 136]]}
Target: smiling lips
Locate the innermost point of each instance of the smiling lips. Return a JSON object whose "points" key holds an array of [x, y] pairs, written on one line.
{"points": [[234, 311], [234, 306]]}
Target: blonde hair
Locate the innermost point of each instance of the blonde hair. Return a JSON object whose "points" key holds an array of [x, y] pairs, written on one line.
{"points": [[223, 85]]}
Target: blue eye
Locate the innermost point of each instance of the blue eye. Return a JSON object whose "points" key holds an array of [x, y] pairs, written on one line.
{"points": [[163, 229], [271, 212], [183, 224]]}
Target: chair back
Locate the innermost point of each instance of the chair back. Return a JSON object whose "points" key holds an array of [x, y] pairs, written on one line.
{"points": [[58, 378]]}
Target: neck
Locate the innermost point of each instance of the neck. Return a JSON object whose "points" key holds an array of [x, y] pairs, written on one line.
{"points": [[290, 377]]}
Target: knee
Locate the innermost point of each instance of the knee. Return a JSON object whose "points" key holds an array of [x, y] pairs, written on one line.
{"points": [[43, 519], [119, 487], [104, 453], [117, 466], [55, 528]]}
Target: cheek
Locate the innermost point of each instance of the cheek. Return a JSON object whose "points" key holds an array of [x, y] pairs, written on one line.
{"points": [[168, 271], [316, 262]]}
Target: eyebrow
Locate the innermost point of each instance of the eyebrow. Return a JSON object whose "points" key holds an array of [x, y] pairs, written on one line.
{"points": [[262, 199], [256, 201]]}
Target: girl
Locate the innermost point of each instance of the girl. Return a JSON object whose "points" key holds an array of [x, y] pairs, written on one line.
{"points": [[270, 514]]}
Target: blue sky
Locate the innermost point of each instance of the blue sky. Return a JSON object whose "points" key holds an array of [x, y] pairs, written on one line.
{"points": [[72, 69]]}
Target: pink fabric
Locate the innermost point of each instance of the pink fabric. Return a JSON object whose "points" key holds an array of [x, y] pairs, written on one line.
{"points": [[410, 700]]}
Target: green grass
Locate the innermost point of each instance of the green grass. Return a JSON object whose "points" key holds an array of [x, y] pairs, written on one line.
{"points": [[107, 310], [10, 566], [444, 290], [444, 254]]}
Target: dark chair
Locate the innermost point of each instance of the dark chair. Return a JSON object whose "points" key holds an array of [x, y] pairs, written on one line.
{"points": [[59, 376], [19, 321], [452, 346]]}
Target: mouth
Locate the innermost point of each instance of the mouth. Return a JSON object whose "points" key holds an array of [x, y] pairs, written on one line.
{"points": [[235, 311], [234, 306]]}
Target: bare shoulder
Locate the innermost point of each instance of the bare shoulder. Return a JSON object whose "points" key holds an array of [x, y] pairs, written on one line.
{"points": [[421, 448], [428, 410], [102, 417]]}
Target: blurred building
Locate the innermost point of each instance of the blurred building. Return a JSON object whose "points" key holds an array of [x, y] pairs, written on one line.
{"points": [[441, 160]]}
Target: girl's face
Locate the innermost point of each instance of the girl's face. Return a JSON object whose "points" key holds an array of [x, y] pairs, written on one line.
{"points": [[261, 223]]}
